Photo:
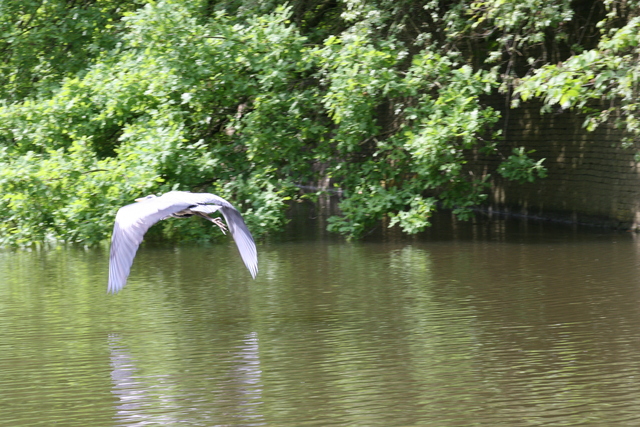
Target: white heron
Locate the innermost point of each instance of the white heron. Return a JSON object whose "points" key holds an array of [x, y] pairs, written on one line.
{"points": [[133, 221]]}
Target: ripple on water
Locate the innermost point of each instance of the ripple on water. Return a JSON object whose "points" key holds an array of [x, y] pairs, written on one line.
{"points": [[447, 333]]}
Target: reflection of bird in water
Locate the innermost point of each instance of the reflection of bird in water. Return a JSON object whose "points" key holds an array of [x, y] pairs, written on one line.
{"points": [[133, 221], [138, 400], [247, 373], [225, 391], [128, 390]]}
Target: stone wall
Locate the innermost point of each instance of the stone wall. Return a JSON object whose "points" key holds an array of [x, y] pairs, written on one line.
{"points": [[590, 178]]}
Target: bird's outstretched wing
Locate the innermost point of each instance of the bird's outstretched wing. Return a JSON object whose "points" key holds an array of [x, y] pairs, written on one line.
{"points": [[132, 222], [242, 236], [239, 231]]}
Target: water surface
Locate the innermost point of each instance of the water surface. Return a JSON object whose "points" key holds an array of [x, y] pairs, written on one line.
{"points": [[491, 324]]}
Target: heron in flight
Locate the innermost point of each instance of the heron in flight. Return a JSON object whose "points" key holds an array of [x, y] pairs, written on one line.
{"points": [[133, 221]]}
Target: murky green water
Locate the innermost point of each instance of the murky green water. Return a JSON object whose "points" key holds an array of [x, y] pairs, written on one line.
{"points": [[486, 325]]}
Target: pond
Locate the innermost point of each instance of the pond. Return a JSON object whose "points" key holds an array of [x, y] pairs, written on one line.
{"points": [[493, 323]]}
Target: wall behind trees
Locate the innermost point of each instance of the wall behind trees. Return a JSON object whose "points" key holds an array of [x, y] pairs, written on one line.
{"points": [[591, 178]]}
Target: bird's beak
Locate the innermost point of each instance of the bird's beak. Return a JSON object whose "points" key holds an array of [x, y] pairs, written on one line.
{"points": [[142, 199]]}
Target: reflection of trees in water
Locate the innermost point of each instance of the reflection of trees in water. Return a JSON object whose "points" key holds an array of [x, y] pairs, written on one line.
{"points": [[172, 398]]}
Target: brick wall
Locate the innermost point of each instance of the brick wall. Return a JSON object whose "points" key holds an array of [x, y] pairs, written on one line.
{"points": [[590, 178]]}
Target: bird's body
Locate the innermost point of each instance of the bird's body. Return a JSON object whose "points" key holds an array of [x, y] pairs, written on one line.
{"points": [[133, 221]]}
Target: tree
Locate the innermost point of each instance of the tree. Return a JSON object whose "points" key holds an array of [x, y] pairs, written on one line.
{"points": [[251, 99]]}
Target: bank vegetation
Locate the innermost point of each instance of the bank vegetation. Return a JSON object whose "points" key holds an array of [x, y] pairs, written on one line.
{"points": [[102, 101]]}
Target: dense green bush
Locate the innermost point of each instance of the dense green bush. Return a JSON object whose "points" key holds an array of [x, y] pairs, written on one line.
{"points": [[104, 101]]}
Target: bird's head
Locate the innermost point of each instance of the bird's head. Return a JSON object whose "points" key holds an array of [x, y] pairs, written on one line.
{"points": [[142, 199]]}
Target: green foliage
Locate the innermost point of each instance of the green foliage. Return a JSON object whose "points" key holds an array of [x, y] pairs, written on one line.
{"points": [[518, 28], [155, 114], [438, 117], [102, 101], [416, 218], [522, 168], [610, 72], [44, 41]]}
